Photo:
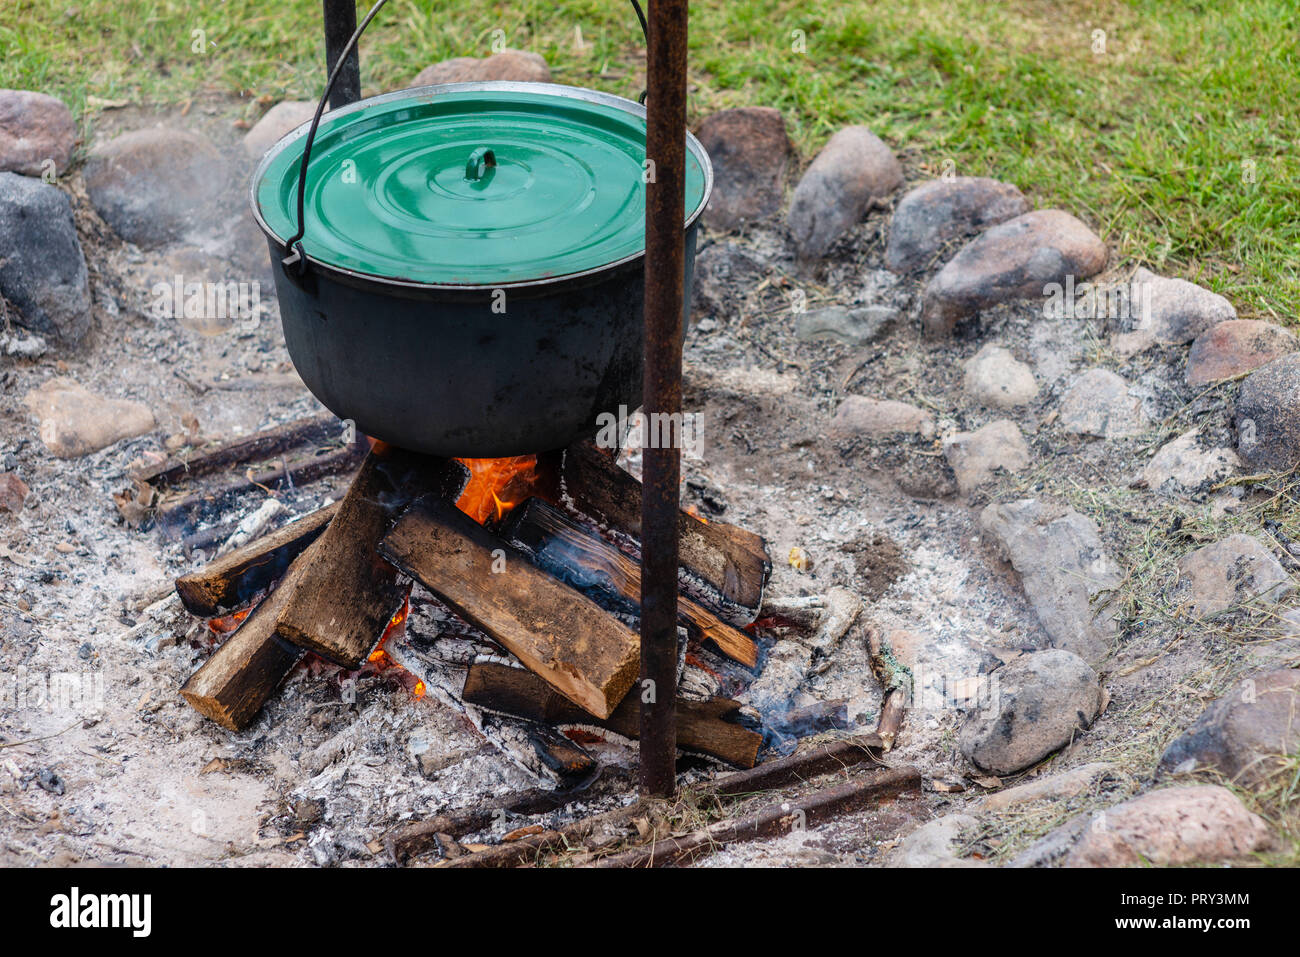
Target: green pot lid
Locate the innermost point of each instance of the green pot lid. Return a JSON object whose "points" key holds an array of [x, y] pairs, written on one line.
{"points": [[471, 184]]}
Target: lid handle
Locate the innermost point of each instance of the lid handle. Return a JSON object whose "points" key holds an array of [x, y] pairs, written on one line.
{"points": [[480, 164]]}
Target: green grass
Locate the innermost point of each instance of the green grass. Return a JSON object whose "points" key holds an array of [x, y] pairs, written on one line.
{"points": [[1177, 142]]}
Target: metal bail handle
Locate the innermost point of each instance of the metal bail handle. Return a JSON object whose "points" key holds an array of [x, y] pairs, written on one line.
{"points": [[482, 162]]}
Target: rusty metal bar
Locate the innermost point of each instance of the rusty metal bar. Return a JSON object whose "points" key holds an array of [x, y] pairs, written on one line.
{"points": [[340, 24], [662, 395]]}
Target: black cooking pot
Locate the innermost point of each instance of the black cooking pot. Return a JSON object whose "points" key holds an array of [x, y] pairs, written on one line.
{"points": [[467, 278]]}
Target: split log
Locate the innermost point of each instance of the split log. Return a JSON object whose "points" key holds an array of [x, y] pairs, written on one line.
{"points": [[582, 652], [807, 810], [244, 672], [348, 593], [702, 726], [731, 560], [564, 548], [802, 766], [231, 580]]}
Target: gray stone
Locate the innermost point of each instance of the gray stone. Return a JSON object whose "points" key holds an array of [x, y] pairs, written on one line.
{"points": [[37, 133], [516, 65], [275, 124], [935, 844], [858, 415], [852, 325], [1063, 568], [76, 422], [1039, 703], [977, 456], [994, 378], [1183, 464], [42, 268], [1052, 787], [1179, 312], [749, 150], [1250, 735], [152, 186], [1014, 260], [1098, 404], [1204, 824], [1267, 415], [854, 169], [942, 210], [1236, 347], [1235, 571]]}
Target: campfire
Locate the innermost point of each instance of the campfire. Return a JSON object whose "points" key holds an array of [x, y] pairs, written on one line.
{"points": [[535, 561]]}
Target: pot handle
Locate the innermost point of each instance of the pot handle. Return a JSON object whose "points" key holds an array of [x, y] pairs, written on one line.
{"points": [[295, 260]]}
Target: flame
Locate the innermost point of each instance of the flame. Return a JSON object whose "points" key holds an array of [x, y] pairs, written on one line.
{"points": [[694, 512], [497, 485], [228, 623], [379, 658]]}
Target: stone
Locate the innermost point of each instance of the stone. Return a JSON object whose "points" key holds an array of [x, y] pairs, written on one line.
{"points": [[854, 169], [1250, 735], [1063, 567], [1235, 571], [1098, 404], [858, 415], [977, 456], [1174, 312], [1203, 824], [1014, 260], [996, 379], [1267, 415], [851, 325], [76, 422], [515, 65], [1052, 787], [724, 274], [1235, 347], [24, 346], [1183, 465], [13, 492], [935, 844], [275, 124], [152, 186], [749, 150], [942, 210], [42, 268], [1039, 703], [37, 133]]}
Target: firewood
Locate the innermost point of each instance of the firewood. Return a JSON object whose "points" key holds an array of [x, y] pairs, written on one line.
{"points": [[316, 430], [806, 810], [568, 551], [731, 560], [582, 652], [231, 580], [702, 726], [534, 845], [798, 767], [242, 674], [348, 593], [895, 680]]}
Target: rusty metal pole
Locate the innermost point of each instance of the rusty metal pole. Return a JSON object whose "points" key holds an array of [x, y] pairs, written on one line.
{"points": [[340, 24], [662, 395]]}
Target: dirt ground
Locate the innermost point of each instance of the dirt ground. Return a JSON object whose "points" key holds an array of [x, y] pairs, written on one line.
{"points": [[140, 778]]}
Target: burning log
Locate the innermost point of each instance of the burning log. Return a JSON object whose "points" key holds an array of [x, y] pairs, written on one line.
{"points": [[235, 577], [729, 559], [586, 655], [565, 549], [348, 594], [702, 726], [239, 677], [807, 810]]}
